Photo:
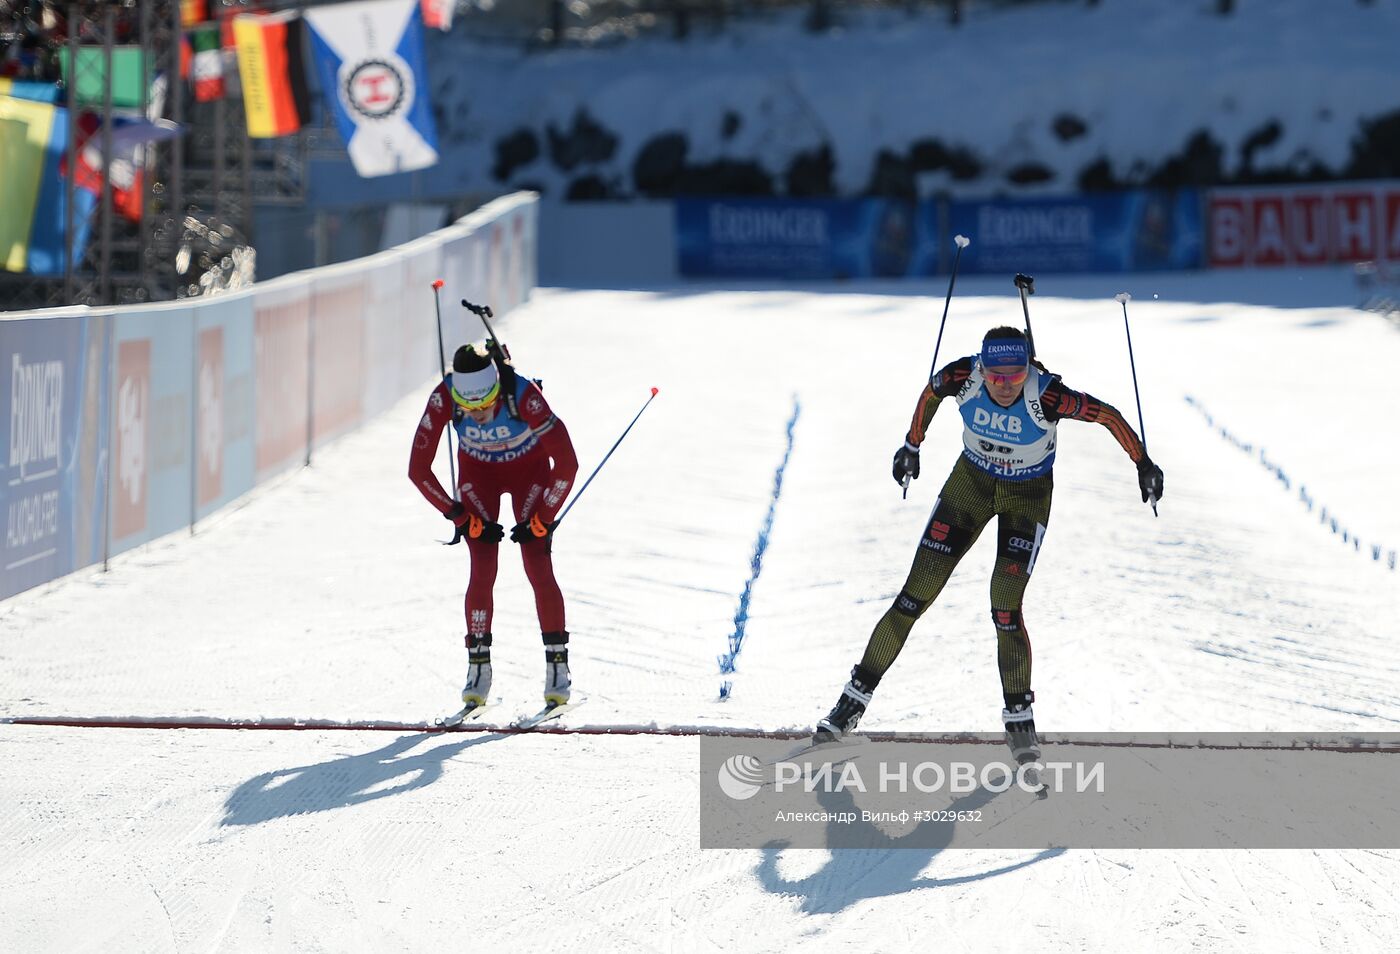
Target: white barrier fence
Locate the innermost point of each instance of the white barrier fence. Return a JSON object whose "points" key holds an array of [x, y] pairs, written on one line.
{"points": [[123, 424]]}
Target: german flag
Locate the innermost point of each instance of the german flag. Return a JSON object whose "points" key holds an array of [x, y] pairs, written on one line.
{"points": [[273, 74]]}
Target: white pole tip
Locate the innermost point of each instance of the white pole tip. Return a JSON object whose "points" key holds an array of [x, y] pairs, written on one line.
{"points": [[1122, 297], [962, 241]]}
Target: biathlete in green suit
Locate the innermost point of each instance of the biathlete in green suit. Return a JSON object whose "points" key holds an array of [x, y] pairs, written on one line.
{"points": [[1010, 406]]}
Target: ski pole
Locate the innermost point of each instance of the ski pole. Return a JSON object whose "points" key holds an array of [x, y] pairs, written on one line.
{"points": [[1123, 298], [560, 519], [442, 363], [1026, 284], [962, 241]]}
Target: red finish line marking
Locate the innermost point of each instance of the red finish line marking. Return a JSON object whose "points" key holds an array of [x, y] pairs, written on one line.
{"points": [[422, 727], [692, 731]]}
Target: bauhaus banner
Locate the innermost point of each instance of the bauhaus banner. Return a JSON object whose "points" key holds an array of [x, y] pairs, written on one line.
{"points": [[369, 57], [1304, 225]]}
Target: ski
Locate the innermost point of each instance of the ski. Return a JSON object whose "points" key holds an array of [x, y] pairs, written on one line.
{"points": [[1021, 738], [1034, 783], [1032, 777], [464, 714], [550, 711], [827, 747]]}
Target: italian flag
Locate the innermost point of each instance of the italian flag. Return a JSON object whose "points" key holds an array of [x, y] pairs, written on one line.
{"points": [[272, 73], [208, 64]]}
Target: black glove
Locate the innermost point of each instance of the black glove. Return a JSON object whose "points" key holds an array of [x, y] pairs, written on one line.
{"points": [[1149, 479], [906, 462], [532, 529], [472, 527]]}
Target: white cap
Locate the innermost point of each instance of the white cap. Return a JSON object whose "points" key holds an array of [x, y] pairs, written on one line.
{"points": [[475, 388]]}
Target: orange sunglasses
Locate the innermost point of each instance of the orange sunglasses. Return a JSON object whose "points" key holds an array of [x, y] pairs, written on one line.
{"points": [[1005, 379]]}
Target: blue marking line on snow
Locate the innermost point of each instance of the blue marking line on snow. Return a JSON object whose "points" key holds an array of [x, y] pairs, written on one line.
{"points": [[1325, 516], [741, 615]]}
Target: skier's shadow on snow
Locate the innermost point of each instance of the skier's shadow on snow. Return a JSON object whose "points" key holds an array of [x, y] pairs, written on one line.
{"points": [[340, 783], [868, 863]]}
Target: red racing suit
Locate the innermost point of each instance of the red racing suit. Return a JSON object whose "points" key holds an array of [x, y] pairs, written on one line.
{"points": [[531, 458]]}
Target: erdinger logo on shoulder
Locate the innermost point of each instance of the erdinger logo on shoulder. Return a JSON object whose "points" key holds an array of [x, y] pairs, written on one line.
{"points": [[378, 88]]}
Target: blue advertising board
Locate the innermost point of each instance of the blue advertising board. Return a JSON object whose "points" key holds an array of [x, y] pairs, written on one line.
{"points": [[153, 421], [1141, 230], [224, 408], [54, 375], [803, 238]]}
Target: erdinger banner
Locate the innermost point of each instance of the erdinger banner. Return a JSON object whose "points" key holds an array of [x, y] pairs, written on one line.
{"points": [[369, 57], [804, 238], [54, 376], [1136, 230]]}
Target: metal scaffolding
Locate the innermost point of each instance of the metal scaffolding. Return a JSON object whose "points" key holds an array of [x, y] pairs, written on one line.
{"points": [[197, 188]]}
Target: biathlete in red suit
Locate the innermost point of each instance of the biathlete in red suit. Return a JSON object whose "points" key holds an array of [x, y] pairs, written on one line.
{"points": [[508, 442]]}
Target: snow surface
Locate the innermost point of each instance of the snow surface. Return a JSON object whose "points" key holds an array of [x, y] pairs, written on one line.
{"points": [[1143, 76], [324, 596]]}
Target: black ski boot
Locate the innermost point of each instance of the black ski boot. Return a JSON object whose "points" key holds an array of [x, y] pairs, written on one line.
{"points": [[557, 682], [478, 685], [845, 715], [1019, 721]]}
